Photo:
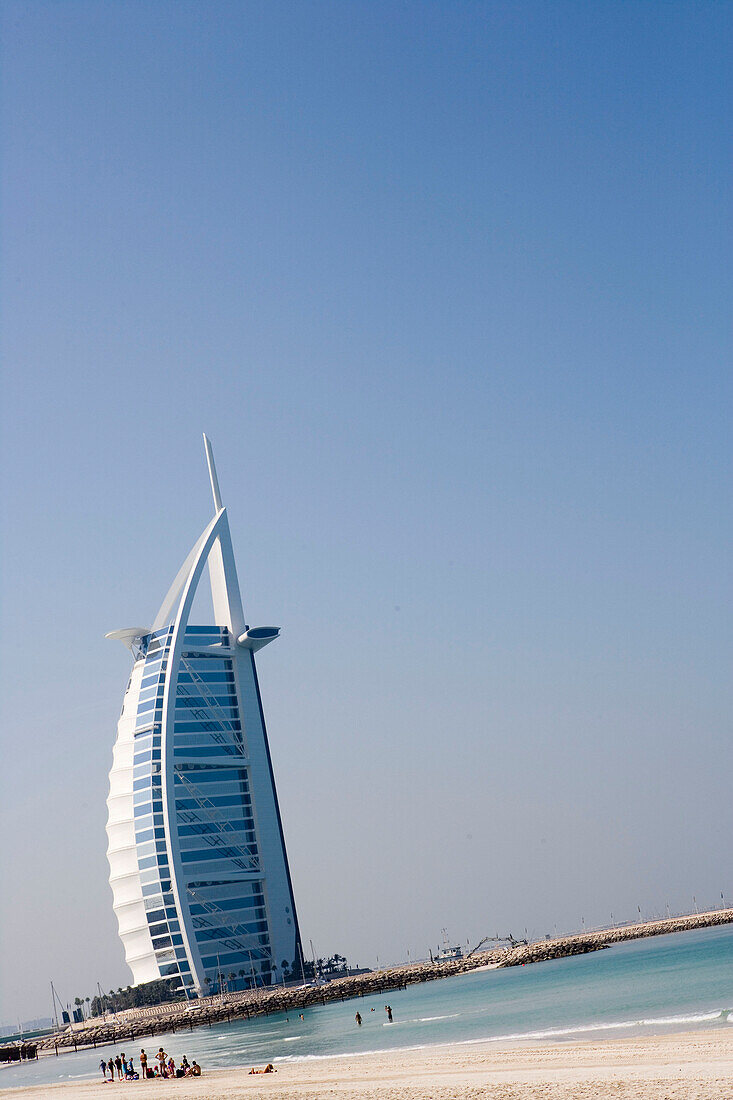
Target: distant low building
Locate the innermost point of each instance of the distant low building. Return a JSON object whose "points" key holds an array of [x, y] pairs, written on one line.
{"points": [[198, 867]]}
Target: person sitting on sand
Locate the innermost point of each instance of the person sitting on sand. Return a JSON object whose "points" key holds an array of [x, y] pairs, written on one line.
{"points": [[269, 1068], [195, 1069]]}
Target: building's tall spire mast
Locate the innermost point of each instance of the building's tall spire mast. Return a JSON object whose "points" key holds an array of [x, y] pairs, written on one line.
{"points": [[222, 570], [212, 474]]}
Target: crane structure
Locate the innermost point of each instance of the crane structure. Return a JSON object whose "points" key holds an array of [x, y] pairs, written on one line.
{"points": [[497, 939]]}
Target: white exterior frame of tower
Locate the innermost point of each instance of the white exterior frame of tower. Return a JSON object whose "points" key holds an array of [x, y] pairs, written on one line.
{"points": [[198, 866]]}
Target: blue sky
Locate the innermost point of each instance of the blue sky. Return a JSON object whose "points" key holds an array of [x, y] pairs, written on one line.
{"points": [[449, 287]]}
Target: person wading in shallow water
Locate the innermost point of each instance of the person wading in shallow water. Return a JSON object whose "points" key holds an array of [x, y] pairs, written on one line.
{"points": [[358, 1018], [388, 1010]]}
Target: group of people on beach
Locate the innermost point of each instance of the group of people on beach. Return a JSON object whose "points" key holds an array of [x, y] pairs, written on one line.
{"points": [[162, 1067]]}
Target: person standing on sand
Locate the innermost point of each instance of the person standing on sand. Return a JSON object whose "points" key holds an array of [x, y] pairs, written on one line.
{"points": [[143, 1065], [358, 1018], [111, 1068], [103, 1067], [118, 1063]]}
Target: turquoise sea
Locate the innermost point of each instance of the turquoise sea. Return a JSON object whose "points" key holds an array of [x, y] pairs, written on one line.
{"points": [[680, 982]]}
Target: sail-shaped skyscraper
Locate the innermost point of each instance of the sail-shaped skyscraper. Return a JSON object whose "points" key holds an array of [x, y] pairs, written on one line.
{"points": [[198, 867]]}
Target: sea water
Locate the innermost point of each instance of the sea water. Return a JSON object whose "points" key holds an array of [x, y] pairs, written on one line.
{"points": [[679, 982]]}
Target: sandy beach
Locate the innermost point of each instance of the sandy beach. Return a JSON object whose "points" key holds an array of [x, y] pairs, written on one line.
{"points": [[688, 1066]]}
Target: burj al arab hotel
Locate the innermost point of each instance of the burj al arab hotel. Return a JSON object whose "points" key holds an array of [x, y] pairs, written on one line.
{"points": [[198, 867]]}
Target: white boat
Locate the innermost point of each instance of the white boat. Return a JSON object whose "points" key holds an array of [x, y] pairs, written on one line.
{"points": [[447, 953]]}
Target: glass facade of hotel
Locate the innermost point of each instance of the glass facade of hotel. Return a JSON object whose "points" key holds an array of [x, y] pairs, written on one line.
{"points": [[197, 858]]}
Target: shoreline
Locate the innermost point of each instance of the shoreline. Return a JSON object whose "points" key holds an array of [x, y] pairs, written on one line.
{"points": [[132, 1024], [679, 1066]]}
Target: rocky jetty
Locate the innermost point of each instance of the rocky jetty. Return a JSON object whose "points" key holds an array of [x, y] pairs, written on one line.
{"points": [[138, 1024], [19, 1052], [605, 937]]}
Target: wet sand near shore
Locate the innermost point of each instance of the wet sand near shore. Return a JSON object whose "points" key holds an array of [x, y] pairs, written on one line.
{"points": [[689, 1066]]}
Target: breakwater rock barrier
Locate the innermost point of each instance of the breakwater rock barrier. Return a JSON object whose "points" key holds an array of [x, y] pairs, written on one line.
{"points": [[139, 1023], [19, 1052], [593, 941]]}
